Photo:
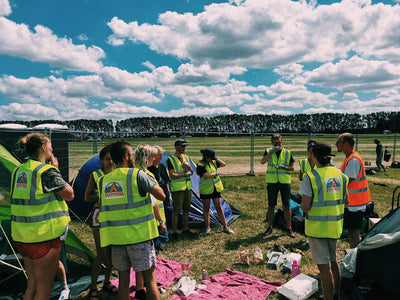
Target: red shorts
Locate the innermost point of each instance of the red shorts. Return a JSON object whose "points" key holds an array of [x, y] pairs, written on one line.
{"points": [[37, 250]]}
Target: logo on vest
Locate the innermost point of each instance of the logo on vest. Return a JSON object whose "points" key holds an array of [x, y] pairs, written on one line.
{"points": [[332, 184], [113, 190], [22, 181]]}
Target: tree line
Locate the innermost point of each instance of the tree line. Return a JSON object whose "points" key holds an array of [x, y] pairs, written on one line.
{"points": [[378, 122]]}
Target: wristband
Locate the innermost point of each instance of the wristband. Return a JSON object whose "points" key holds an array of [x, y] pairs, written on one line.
{"points": [[162, 221]]}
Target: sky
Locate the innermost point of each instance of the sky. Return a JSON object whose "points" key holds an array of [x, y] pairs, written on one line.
{"points": [[95, 59]]}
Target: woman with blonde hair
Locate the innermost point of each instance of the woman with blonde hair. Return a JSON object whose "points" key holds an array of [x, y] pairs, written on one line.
{"points": [[39, 214]]}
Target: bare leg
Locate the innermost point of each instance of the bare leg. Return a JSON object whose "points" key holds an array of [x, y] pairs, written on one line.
{"points": [[336, 277], [206, 211], [30, 288], [327, 282], [151, 284], [220, 212], [271, 215], [354, 237], [287, 213], [123, 288], [107, 262], [45, 269], [96, 266]]}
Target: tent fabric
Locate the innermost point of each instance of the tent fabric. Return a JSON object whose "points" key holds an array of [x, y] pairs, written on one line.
{"points": [[233, 285], [82, 208]]}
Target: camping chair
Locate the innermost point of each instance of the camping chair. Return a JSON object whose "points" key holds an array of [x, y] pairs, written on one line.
{"points": [[6, 259]]}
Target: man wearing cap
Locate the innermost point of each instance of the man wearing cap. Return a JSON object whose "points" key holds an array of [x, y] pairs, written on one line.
{"points": [[278, 179], [180, 170], [359, 195]]}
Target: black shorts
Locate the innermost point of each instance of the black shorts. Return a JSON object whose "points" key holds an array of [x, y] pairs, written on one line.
{"points": [[353, 219]]}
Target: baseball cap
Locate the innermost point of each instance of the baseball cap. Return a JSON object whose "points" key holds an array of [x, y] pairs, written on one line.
{"points": [[181, 142]]}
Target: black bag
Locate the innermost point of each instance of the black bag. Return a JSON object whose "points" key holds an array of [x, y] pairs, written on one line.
{"points": [[395, 164], [298, 223], [279, 219], [296, 197], [387, 155]]}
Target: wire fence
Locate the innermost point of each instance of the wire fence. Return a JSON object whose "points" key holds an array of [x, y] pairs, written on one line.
{"points": [[241, 152]]}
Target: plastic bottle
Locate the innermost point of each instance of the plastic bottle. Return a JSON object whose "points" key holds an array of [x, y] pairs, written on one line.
{"points": [[185, 265], [295, 269]]}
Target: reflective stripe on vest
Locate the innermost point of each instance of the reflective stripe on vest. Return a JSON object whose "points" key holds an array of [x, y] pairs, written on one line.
{"points": [[304, 166], [358, 188], [275, 175], [125, 216], [206, 185], [325, 217], [183, 183], [36, 216]]}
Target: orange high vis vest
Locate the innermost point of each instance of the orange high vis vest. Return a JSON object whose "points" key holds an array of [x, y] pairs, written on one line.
{"points": [[358, 188]]}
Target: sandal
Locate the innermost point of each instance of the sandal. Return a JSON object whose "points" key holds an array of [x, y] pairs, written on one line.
{"points": [[110, 288], [92, 295]]}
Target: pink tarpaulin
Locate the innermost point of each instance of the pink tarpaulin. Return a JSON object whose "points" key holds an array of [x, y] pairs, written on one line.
{"points": [[167, 271], [233, 285]]}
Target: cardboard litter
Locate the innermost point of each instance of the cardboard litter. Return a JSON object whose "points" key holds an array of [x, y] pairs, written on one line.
{"points": [[299, 288]]}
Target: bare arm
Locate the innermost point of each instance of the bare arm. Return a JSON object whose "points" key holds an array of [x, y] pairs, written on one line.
{"points": [[89, 190], [305, 203], [67, 193], [157, 192]]}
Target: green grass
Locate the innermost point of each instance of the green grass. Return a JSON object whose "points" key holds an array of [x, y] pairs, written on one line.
{"points": [[218, 251]]}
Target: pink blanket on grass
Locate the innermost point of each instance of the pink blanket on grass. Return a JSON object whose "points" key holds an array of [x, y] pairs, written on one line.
{"points": [[233, 285], [167, 272]]}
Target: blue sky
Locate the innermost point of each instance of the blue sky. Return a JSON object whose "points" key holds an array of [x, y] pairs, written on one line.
{"points": [[93, 59]]}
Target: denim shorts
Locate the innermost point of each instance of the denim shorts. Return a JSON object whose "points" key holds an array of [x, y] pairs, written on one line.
{"points": [[274, 188]]}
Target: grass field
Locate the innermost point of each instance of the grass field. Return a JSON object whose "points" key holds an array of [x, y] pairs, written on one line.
{"points": [[218, 251]]}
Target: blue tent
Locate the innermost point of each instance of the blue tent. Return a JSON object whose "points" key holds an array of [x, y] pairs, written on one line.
{"points": [[82, 208]]}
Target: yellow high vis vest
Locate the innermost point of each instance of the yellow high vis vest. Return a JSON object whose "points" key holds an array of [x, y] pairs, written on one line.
{"points": [[96, 175], [125, 216], [206, 185], [180, 184], [304, 166], [36, 216], [325, 218], [159, 202], [275, 175]]}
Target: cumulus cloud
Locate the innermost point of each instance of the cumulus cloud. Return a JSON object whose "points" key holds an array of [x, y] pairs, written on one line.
{"points": [[5, 8], [42, 45]]}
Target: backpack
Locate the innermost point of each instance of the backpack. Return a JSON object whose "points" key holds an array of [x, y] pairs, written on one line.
{"points": [[387, 155], [395, 164]]}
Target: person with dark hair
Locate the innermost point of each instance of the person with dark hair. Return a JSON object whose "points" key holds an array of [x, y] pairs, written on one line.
{"points": [[359, 194], [180, 171], [211, 187], [379, 155], [306, 164], [278, 179], [128, 217], [39, 214], [102, 254], [324, 191]]}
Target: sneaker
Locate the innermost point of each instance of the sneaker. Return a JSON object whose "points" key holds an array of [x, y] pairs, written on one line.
{"points": [[64, 294], [208, 230], [228, 230], [268, 232], [291, 233]]}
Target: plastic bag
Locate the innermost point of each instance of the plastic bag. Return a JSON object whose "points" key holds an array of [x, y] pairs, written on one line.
{"points": [[244, 256], [258, 256]]}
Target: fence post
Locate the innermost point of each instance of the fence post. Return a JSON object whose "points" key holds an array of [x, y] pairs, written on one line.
{"points": [[251, 172], [356, 141], [394, 147], [95, 142]]}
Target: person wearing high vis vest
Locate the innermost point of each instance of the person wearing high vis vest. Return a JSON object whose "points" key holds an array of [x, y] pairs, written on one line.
{"points": [[211, 187], [128, 218], [278, 179], [39, 214], [359, 194], [160, 173], [324, 191], [306, 164], [103, 255], [180, 171]]}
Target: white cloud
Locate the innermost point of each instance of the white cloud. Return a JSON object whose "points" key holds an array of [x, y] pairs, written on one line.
{"points": [[5, 8], [41, 45]]}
